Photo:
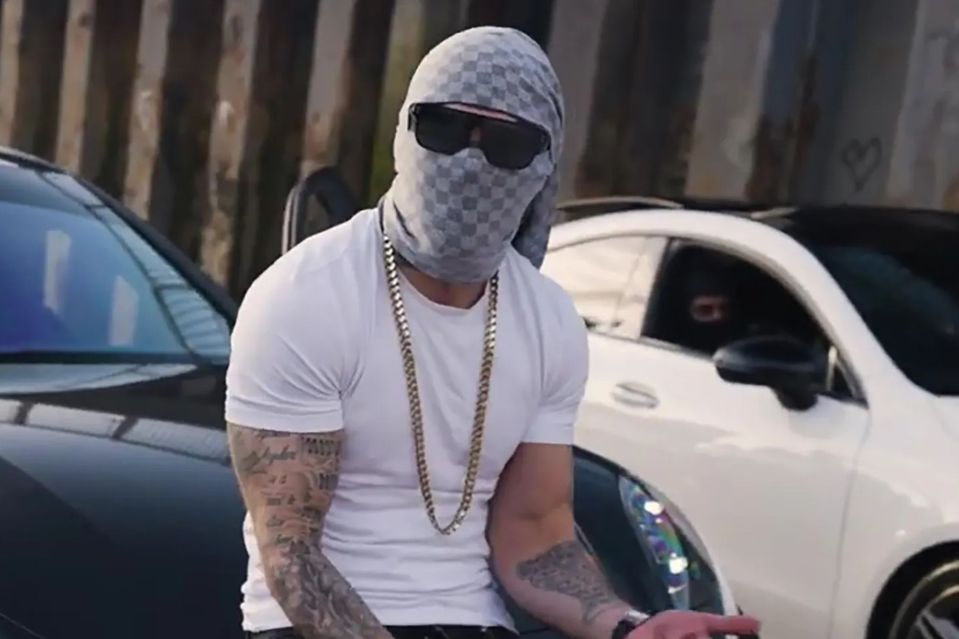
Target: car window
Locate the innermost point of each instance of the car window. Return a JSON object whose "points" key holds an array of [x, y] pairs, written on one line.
{"points": [[910, 301], [77, 279], [706, 298], [609, 279]]}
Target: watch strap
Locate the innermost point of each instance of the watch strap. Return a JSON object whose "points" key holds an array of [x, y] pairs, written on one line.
{"points": [[630, 621]]}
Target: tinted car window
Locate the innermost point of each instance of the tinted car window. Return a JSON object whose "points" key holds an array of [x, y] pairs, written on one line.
{"points": [[706, 299], [609, 279], [910, 301], [77, 279]]}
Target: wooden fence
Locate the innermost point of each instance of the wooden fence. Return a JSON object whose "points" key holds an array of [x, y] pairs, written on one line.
{"points": [[201, 114]]}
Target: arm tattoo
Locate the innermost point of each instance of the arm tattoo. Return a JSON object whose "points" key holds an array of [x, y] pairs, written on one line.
{"points": [[287, 481], [566, 568]]}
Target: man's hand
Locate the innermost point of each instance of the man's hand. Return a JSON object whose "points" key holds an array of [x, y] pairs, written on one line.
{"points": [[679, 624]]}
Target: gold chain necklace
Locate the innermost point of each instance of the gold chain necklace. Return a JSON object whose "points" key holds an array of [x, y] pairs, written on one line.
{"points": [[413, 393]]}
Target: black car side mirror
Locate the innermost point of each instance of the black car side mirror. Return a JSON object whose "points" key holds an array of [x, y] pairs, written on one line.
{"points": [[320, 200], [784, 364]]}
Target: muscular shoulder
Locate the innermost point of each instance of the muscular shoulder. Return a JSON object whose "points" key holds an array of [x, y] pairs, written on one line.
{"points": [[563, 351], [298, 340], [322, 269], [550, 304]]}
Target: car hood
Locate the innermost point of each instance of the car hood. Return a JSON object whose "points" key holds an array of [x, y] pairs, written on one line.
{"points": [[948, 409], [117, 522]]}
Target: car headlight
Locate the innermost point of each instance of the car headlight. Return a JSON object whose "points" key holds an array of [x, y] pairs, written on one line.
{"points": [[676, 550]]}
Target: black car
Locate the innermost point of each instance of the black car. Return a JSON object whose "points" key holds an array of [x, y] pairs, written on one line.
{"points": [[119, 512]]}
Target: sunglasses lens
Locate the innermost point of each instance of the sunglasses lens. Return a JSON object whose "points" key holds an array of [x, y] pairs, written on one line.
{"points": [[507, 145], [440, 129], [511, 145]]}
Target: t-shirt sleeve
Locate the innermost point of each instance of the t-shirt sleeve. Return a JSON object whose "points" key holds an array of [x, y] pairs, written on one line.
{"points": [[564, 382], [289, 364]]}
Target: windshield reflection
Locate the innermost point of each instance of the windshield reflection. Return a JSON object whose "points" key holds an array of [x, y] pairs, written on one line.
{"points": [[910, 301], [78, 279]]}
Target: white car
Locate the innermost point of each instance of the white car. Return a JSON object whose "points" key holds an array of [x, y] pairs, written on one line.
{"points": [[811, 429]]}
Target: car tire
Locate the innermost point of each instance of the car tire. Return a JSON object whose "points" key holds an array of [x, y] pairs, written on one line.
{"points": [[929, 606]]}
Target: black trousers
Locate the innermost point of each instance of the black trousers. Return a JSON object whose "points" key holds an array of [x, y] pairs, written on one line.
{"points": [[408, 632]]}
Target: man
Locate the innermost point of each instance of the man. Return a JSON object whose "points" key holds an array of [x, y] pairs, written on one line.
{"points": [[403, 388], [711, 320]]}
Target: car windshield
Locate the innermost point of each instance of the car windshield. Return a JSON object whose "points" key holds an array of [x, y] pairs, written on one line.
{"points": [[902, 280], [79, 285]]}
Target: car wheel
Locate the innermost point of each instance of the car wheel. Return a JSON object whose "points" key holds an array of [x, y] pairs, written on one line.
{"points": [[931, 608]]}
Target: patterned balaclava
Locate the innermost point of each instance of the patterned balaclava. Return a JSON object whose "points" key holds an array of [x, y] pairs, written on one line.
{"points": [[454, 216]]}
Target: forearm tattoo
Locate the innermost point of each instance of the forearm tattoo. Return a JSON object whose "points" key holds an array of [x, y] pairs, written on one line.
{"points": [[567, 568], [287, 481]]}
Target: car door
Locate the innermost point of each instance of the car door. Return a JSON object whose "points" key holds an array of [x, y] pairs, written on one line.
{"points": [[766, 485]]}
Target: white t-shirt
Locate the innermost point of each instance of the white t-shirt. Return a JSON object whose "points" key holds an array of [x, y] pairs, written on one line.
{"points": [[315, 349]]}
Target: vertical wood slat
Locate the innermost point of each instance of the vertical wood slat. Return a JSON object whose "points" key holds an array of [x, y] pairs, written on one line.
{"points": [[275, 133], [146, 113], [228, 139], [72, 138], [596, 170], [730, 104], [655, 132], [345, 87], [324, 110], [418, 25], [31, 54], [171, 113], [574, 49], [532, 17], [98, 68]]}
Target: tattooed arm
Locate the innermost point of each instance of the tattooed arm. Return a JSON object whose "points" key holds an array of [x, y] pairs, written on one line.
{"points": [[536, 555], [287, 481]]}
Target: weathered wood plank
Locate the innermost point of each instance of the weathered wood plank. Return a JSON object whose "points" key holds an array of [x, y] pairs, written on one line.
{"points": [[275, 133], [76, 84], [574, 48], [173, 97], [31, 55], [140, 188], [532, 17], [596, 170], [345, 86], [655, 134], [418, 26], [228, 140], [731, 100], [101, 43]]}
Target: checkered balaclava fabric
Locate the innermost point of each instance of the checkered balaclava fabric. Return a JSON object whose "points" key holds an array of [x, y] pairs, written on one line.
{"points": [[455, 216]]}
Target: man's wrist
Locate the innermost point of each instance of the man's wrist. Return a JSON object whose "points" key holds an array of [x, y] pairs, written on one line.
{"points": [[628, 622], [605, 622]]}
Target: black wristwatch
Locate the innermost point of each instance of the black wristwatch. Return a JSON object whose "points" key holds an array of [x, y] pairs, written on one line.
{"points": [[631, 620]]}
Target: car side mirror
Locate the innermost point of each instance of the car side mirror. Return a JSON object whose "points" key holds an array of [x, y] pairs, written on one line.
{"points": [[319, 201], [784, 364]]}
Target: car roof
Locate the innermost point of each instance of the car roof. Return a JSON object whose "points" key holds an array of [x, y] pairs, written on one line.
{"points": [[596, 216], [13, 157]]}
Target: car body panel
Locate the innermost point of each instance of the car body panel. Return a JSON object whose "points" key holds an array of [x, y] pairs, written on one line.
{"points": [[812, 512], [904, 500], [704, 423], [102, 507]]}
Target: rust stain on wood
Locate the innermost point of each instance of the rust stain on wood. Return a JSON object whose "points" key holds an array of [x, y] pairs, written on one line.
{"points": [[228, 143], [76, 84]]}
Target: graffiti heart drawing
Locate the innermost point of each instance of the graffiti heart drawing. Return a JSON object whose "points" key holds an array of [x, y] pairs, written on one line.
{"points": [[861, 159]]}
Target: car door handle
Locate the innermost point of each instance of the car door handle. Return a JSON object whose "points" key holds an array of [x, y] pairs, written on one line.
{"points": [[635, 394]]}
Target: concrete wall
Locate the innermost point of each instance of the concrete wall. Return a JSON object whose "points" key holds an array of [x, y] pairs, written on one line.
{"points": [[201, 114]]}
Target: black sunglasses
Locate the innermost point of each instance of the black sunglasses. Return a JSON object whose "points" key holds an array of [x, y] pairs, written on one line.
{"points": [[507, 145]]}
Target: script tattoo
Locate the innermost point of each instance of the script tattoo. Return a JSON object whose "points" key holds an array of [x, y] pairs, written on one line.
{"points": [[566, 568], [287, 481]]}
